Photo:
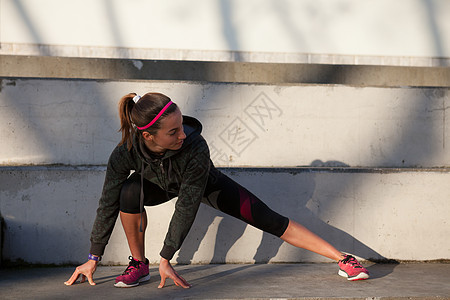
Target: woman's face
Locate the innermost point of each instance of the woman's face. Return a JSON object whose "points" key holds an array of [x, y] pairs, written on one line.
{"points": [[169, 137]]}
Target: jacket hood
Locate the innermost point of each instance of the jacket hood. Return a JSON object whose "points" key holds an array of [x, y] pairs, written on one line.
{"points": [[192, 128]]}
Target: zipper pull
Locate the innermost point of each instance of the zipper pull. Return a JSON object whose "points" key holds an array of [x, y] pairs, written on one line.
{"points": [[161, 166]]}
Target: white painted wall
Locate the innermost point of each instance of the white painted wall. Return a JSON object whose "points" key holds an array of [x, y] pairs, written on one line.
{"points": [[418, 28]]}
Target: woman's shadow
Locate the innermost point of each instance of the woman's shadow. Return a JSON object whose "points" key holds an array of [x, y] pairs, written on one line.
{"points": [[302, 208]]}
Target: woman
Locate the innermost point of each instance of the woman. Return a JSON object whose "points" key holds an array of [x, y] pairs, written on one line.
{"points": [[171, 159]]}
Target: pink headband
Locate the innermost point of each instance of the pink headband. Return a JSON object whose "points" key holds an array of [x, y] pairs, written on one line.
{"points": [[157, 117]]}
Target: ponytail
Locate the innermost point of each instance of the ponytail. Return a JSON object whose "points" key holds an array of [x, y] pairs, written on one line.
{"points": [[126, 105]]}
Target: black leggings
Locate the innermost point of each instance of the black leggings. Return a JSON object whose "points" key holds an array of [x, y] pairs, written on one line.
{"points": [[221, 192]]}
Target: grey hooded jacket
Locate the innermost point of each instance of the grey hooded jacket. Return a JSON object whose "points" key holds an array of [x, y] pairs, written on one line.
{"points": [[182, 172]]}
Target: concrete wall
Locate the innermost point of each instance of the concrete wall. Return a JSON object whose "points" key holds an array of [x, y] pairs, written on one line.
{"points": [[373, 178], [75, 123], [389, 32]]}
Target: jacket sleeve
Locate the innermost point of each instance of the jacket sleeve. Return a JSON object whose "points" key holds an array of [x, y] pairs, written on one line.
{"points": [[190, 195], [118, 170]]}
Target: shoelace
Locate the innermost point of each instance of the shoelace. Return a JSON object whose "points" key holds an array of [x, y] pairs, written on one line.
{"points": [[352, 261], [133, 264]]}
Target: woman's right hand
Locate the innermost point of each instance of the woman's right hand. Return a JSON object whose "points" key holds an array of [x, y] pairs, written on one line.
{"points": [[85, 270]]}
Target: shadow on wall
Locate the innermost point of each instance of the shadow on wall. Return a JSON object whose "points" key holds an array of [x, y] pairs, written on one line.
{"points": [[436, 33], [2, 236], [28, 244]]}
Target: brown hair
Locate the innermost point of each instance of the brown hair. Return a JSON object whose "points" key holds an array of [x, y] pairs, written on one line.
{"points": [[141, 113]]}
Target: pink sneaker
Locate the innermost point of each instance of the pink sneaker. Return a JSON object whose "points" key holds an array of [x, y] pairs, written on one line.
{"points": [[136, 272], [350, 268]]}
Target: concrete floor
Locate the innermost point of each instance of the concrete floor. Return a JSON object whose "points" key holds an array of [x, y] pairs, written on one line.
{"points": [[238, 281]]}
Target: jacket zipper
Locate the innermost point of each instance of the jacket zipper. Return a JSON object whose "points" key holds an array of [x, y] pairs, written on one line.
{"points": [[163, 174]]}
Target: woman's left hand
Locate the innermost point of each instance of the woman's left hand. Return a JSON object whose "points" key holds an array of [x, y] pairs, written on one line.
{"points": [[167, 271]]}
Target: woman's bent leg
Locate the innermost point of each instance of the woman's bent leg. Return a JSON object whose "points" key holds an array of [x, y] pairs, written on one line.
{"points": [[130, 211], [136, 239]]}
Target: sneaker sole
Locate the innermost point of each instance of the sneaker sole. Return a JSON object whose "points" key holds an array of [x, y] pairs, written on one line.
{"points": [[360, 276], [122, 284]]}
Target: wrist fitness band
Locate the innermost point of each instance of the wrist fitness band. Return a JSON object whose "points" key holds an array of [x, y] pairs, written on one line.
{"points": [[95, 258]]}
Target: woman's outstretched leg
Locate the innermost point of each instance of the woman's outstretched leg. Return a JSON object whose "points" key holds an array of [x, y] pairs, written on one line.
{"points": [[227, 196], [299, 236]]}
